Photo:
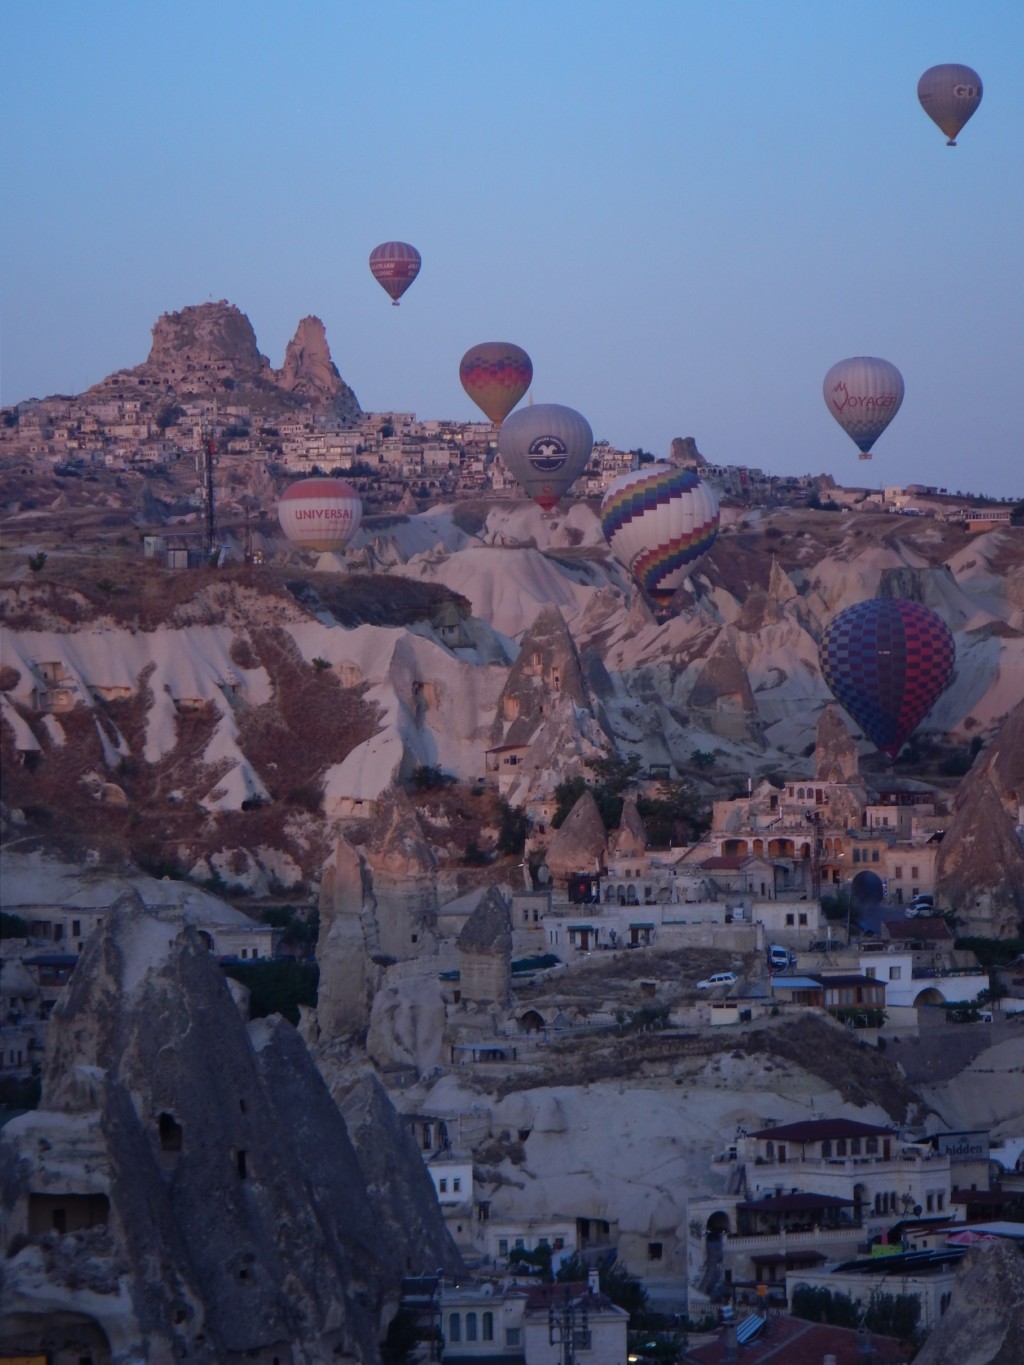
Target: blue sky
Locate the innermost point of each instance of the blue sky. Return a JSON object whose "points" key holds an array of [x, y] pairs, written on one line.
{"points": [[685, 211]]}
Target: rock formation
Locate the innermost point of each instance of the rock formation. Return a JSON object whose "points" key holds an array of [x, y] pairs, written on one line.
{"points": [[187, 1188], [631, 837], [403, 867], [580, 842], [684, 451], [485, 953], [984, 1323], [210, 349], [345, 947], [980, 867]]}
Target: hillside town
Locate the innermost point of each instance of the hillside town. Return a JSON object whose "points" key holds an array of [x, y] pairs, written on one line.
{"points": [[432, 950]]}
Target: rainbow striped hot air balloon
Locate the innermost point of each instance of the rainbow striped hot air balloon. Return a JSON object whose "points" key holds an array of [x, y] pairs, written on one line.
{"points": [[660, 522], [887, 661], [320, 514]]}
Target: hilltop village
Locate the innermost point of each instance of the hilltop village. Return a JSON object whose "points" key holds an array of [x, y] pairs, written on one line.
{"points": [[436, 954]]}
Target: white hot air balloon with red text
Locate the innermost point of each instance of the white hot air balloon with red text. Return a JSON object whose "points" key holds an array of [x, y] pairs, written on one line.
{"points": [[320, 514]]}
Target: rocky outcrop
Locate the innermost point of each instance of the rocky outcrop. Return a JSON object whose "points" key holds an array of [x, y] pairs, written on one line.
{"points": [[630, 839], [403, 867], [485, 952], [980, 867], [210, 349], [683, 451], [187, 1188], [984, 1323], [310, 372], [345, 946], [580, 842]]}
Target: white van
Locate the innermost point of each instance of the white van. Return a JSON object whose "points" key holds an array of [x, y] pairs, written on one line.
{"points": [[780, 958]]}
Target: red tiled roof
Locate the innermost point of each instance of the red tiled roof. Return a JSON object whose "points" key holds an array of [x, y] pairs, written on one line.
{"points": [[930, 930], [791, 1341]]}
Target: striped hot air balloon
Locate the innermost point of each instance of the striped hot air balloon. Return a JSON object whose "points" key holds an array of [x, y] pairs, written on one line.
{"points": [[394, 266], [496, 374], [320, 514], [887, 661], [660, 522]]}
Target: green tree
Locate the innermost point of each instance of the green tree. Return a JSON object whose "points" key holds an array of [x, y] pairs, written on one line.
{"points": [[12, 926], [514, 828], [36, 561], [893, 1315]]}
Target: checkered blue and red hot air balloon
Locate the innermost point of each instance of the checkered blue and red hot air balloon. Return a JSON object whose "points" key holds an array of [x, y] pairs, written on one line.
{"points": [[660, 522], [887, 661], [394, 265]]}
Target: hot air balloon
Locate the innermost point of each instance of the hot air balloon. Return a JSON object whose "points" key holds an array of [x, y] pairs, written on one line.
{"points": [[496, 374], [320, 514], [546, 447], [863, 394], [949, 95], [394, 266], [887, 662], [660, 522]]}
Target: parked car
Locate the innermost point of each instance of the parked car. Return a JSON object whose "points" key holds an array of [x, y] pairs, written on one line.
{"points": [[717, 979], [779, 958]]}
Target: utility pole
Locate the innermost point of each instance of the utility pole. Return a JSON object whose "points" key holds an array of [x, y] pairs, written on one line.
{"points": [[565, 1321]]}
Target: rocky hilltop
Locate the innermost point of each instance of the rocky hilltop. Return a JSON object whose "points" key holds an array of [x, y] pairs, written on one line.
{"points": [[210, 349]]}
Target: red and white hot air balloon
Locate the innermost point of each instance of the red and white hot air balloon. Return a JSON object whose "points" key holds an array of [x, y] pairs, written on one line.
{"points": [[394, 265], [320, 514]]}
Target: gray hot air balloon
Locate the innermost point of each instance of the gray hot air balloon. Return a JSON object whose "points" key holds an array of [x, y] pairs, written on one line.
{"points": [[949, 95], [863, 394], [546, 447]]}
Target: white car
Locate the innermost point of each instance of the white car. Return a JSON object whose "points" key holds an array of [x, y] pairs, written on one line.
{"points": [[718, 979]]}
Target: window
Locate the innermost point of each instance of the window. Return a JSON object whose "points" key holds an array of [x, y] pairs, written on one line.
{"points": [[895, 973], [502, 1246], [654, 1251], [471, 1327], [856, 855], [929, 1202], [581, 1338], [869, 972], [454, 1327], [826, 1148], [790, 919], [940, 1200], [456, 1184], [897, 872], [802, 917], [442, 1185], [914, 873], [855, 1146], [871, 1146], [488, 1326], [874, 855], [513, 1336], [76, 928]]}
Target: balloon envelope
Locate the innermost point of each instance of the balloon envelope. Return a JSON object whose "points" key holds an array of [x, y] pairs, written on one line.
{"points": [[887, 661], [546, 447], [863, 394], [394, 266], [496, 374], [949, 95], [320, 514], [660, 522], [867, 890]]}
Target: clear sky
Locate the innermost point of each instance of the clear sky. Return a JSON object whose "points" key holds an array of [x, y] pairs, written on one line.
{"points": [[685, 210]]}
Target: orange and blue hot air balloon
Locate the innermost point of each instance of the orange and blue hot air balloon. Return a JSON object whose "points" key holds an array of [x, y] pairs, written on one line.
{"points": [[887, 661], [660, 521], [394, 265]]}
